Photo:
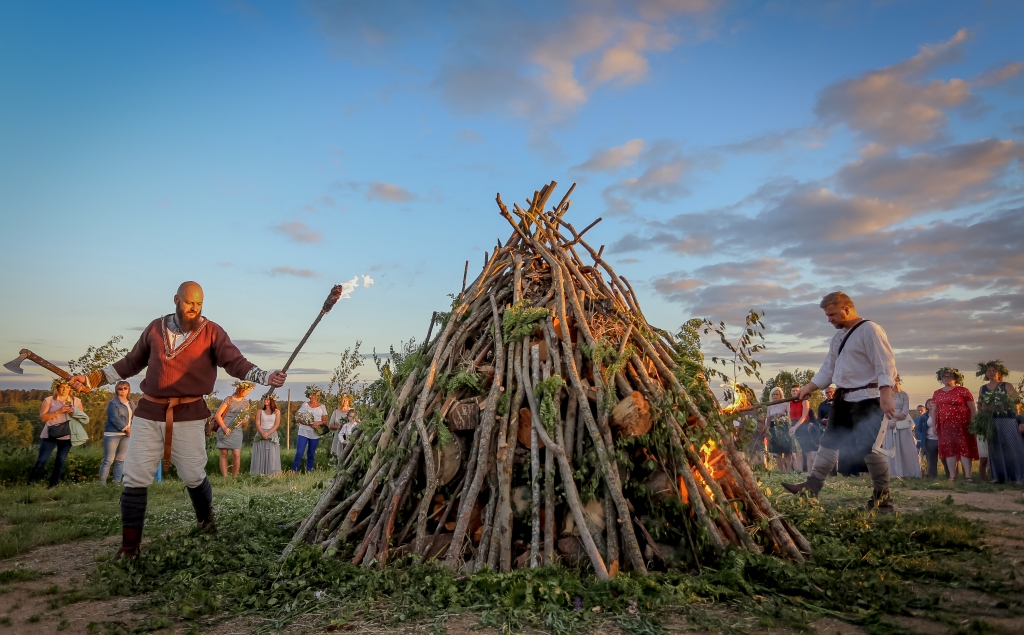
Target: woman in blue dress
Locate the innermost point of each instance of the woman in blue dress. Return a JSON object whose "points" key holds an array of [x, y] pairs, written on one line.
{"points": [[1005, 446]]}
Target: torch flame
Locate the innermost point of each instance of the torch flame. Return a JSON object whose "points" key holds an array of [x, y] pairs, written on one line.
{"points": [[739, 398]]}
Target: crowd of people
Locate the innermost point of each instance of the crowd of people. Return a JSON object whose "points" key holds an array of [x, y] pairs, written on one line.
{"points": [[914, 442], [227, 424]]}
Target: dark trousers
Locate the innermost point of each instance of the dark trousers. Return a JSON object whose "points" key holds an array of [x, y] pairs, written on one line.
{"points": [[308, 447], [852, 427], [46, 448], [931, 457]]}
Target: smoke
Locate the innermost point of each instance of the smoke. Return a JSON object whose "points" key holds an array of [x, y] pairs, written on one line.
{"points": [[353, 284]]}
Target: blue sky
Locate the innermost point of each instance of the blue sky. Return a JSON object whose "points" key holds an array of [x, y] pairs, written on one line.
{"points": [[742, 155]]}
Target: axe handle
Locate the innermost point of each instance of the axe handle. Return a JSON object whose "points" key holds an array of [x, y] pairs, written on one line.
{"points": [[765, 405], [60, 372]]}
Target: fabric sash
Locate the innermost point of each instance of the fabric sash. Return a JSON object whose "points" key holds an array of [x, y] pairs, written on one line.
{"points": [[169, 421]]}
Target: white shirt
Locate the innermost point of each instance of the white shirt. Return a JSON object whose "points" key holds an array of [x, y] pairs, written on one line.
{"points": [[346, 431], [867, 358], [320, 412]]}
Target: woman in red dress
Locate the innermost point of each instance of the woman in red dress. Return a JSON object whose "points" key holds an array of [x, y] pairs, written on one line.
{"points": [[952, 408]]}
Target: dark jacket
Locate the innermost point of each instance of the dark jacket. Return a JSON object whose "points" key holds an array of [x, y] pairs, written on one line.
{"points": [[118, 415], [921, 430], [824, 408]]}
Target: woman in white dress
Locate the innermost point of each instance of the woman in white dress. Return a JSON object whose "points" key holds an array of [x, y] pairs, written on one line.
{"points": [[900, 435], [266, 447]]}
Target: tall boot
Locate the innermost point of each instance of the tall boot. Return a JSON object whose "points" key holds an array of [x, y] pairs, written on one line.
{"points": [[823, 463], [202, 503], [878, 468], [133, 517]]}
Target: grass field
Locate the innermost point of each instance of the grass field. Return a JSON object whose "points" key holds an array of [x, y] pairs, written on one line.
{"points": [[945, 563]]}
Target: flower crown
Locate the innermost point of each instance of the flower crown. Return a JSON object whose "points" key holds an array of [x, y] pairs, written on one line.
{"points": [[243, 385], [995, 363], [949, 370], [313, 389], [58, 382]]}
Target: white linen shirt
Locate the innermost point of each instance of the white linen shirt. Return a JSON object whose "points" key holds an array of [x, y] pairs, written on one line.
{"points": [[867, 358]]}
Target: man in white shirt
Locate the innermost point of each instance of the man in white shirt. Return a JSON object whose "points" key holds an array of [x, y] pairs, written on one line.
{"points": [[861, 365]]}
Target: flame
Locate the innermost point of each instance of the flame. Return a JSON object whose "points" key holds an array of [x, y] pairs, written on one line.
{"points": [[739, 398]]}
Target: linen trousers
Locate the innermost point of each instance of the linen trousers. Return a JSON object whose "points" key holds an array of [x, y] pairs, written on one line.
{"points": [[146, 451]]}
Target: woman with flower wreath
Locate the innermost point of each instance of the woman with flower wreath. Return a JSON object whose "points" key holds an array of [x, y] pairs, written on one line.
{"points": [[899, 435], [266, 446], [311, 413], [952, 409], [996, 400], [339, 418], [780, 440], [56, 435], [229, 432]]}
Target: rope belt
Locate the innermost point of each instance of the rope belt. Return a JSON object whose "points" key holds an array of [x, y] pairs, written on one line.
{"points": [[169, 421]]}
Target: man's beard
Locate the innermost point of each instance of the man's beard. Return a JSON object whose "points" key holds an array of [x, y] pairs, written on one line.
{"points": [[186, 324]]}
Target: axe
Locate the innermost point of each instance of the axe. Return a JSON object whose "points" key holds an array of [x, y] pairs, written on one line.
{"points": [[880, 441], [15, 364], [329, 303]]}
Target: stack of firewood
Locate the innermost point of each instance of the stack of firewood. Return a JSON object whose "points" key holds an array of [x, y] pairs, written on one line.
{"points": [[546, 422]]}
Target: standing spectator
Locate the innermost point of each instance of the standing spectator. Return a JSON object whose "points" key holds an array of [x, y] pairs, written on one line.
{"points": [[1006, 448], [825, 407], [780, 440], [800, 428], [928, 440], [900, 435], [952, 409], [266, 446], [346, 430], [56, 433], [229, 434], [308, 438], [338, 419], [115, 435]]}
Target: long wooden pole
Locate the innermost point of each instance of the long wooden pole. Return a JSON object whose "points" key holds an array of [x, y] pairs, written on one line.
{"points": [[288, 422]]}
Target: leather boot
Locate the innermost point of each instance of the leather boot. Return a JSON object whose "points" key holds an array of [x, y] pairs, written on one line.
{"points": [[881, 500], [133, 516], [812, 485], [131, 538], [202, 503]]}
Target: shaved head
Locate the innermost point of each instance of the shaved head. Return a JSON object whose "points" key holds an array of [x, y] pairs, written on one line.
{"points": [[188, 302]]}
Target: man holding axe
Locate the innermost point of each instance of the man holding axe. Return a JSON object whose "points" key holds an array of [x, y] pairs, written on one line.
{"points": [[181, 353], [861, 365]]}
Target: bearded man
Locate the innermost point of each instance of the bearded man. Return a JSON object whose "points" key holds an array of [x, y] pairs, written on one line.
{"points": [[861, 365], [181, 353]]}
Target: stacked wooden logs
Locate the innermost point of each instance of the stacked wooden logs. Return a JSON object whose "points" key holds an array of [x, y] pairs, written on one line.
{"points": [[545, 364]]}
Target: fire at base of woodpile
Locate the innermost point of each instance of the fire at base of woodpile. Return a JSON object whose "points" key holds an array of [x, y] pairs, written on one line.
{"points": [[546, 422]]}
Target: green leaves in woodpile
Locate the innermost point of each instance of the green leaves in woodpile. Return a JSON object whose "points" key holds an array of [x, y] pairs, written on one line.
{"points": [[521, 319]]}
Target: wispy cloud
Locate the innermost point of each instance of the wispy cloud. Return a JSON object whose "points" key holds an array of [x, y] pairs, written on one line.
{"points": [[612, 160], [291, 271], [299, 232], [388, 192]]}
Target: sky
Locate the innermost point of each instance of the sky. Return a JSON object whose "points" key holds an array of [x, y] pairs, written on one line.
{"points": [[742, 155]]}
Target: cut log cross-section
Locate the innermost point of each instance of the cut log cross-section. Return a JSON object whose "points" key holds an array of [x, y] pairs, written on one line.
{"points": [[545, 421]]}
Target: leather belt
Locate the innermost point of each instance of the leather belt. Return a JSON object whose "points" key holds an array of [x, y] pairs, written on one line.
{"points": [[169, 421], [842, 392]]}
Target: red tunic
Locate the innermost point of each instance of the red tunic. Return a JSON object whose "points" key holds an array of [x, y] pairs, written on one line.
{"points": [[187, 371], [952, 418]]}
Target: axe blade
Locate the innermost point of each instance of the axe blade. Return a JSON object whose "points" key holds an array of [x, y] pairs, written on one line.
{"points": [[15, 364]]}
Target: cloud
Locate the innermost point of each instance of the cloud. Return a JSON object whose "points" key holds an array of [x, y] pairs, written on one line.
{"points": [[387, 192], [291, 271], [260, 347], [299, 232], [662, 180], [468, 136], [612, 159], [998, 76], [946, 179], [895, 104]]}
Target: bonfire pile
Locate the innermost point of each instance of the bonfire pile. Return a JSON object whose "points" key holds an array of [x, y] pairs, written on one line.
{"points": [[545, 423]]}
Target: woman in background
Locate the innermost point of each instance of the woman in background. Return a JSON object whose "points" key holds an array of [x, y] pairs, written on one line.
{"points": [[900, 435], [338, 419], [780, 441], [308, 438], [56, 435], [1006, 448], [952, 409], [802, 429], [115, 435], [266, 447], [229, 435]]}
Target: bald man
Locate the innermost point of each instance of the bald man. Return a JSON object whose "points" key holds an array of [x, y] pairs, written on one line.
{"points": [[181, 353]]}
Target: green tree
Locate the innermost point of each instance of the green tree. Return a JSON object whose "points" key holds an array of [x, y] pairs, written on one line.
{"points": [[786, 380], [14, 431], [343, 381]]}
